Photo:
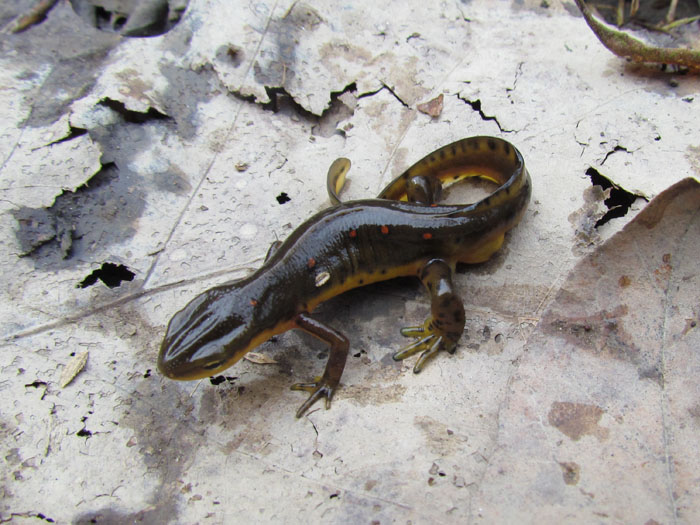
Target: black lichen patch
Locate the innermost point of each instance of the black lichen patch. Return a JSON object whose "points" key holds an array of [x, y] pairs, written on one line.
{"points": [[619, 201], [112, 275], [283, 198]]}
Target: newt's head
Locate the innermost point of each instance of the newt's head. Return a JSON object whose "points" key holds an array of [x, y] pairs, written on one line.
{"points": [[210, 334]]}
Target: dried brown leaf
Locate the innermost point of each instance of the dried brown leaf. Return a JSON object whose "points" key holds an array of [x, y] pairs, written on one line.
{"points": [[612, 372], [432, 107]]}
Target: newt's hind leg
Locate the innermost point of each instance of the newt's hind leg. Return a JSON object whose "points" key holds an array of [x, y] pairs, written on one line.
{"points": [[446, 323], [422, 189]]}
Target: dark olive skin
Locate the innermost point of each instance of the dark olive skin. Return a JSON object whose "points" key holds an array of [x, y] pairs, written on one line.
{"points": [[403, 232]]}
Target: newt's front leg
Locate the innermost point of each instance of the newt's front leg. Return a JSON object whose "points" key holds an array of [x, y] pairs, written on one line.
{"points": [[446, 323], [325, 385]]}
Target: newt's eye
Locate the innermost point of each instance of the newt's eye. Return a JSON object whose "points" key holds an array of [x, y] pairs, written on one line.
{"points": [[212, 365]]}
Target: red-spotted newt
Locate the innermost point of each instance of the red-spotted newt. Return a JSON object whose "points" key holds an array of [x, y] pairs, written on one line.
{"points": [[403, 232]]}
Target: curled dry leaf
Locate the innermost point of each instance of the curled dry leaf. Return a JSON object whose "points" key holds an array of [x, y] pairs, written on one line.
{"points": [[625, 45], [73, 368], [259, 359]]}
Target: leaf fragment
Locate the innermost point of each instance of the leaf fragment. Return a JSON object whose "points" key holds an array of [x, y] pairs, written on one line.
{"points": [[73, 368], [432, 107], [259, 359]]}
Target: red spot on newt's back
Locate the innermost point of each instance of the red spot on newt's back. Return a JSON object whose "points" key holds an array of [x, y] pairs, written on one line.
{"points": [[427, 236], [385, 229]]}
